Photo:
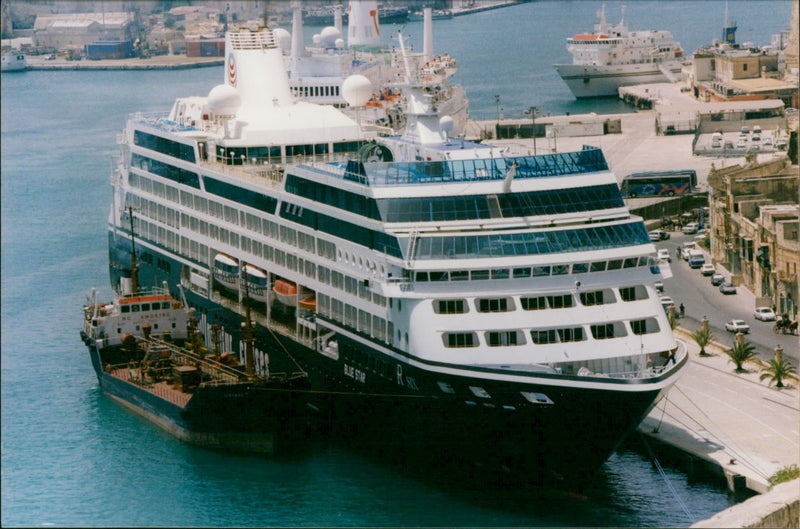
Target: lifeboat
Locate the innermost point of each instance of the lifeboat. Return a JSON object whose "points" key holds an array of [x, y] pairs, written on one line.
{"points": [[309, 303], [286, 291], [226, 271], [256, 282]]}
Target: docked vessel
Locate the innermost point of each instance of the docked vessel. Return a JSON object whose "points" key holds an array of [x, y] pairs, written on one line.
{"points": [[13, 61], [149, 357], [448, 296], [613, 56], [317, 73]]}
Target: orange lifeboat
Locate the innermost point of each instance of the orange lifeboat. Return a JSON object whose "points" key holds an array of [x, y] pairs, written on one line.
{"points": [[286, 291], [309, 303]]}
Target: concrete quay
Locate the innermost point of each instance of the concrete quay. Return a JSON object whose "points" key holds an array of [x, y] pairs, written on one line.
{"points": [[158, 62]]}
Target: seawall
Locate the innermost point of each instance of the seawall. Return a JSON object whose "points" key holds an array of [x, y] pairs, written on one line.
{"points": [[780, 507]]}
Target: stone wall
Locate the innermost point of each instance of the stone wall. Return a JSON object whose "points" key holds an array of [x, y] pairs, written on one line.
{"points": [[779, 508]]}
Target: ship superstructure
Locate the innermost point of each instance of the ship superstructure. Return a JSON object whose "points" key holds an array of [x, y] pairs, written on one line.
{"points": [[613, 56], [438, 292]]}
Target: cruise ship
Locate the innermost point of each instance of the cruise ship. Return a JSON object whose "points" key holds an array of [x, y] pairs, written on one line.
{"points": [[439, 293], [612, 57]]}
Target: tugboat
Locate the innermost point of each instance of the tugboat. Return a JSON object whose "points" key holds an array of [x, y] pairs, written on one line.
{"points": [[149, 356]]}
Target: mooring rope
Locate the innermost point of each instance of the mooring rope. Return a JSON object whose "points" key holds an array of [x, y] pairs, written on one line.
{"points": [[666, 479]]}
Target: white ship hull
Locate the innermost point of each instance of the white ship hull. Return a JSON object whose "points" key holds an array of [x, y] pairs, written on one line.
{"points": [[601, 81]]}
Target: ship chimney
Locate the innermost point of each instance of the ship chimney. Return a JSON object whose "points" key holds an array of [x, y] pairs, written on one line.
{"points": [[362, 26], [255, 67], [337, 18], [297, 31], [427, 34]]}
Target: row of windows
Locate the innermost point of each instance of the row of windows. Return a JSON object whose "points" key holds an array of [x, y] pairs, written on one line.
{"points": [[315, 91], [145, 307], [165, 170], [164, 146], [601, 331], [552, 301], [532, 243], [355, 318], [473, 207], [199, 252], [258, 154], [536, 271]]}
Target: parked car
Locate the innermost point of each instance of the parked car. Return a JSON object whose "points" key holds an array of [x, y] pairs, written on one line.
{"points": [[767, 141], [737, 326], [691, 228], [745, 130], [717, 279], [686, 248], [659, 286], [707, 269], [764, 314], [658, 235], [667, 302], [727, 288], [741, 144], [696, 259], [782, 144], [753, 148], [663, 255]]}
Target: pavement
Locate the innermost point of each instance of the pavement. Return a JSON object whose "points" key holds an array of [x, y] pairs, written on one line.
{"points": [[733, 420]]}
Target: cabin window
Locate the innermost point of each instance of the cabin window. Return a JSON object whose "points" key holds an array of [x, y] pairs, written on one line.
{"points": [[522, 272], [603, 332], [135, 308], [559, 302], [598, 266], [145, 307], [495, 305], [646, 326], [125, 309], [480, 275], [615, 264], [633, 293], [537, 303], [541, 271], [574, 334], [459, 275], [504, 338], [580, 268], [597, 297], [460, 339], [450, 306], [501, 273], [544, 337]]}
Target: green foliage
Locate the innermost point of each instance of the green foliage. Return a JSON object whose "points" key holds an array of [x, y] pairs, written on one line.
{"points": [[776, 371], [793, 147], [741, 353], [785, 474], [703, 337]]}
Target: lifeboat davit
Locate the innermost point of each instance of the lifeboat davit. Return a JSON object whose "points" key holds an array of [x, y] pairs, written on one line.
{"points": [[286, 291]]}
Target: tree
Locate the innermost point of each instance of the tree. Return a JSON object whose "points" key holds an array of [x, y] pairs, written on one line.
{"points": [[740, 353], [703, 337], [776, 370]]}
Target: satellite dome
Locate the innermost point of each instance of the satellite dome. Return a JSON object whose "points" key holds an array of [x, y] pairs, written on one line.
{"points": [[283, 38], [356, 90], [316, 38], [446, 124], [328, 37], [224, 100], [339, 43]]}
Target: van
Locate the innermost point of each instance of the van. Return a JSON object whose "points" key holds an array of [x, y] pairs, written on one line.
{"points": [[696, 259], [717, 136], [690, 228], [686, 248]]}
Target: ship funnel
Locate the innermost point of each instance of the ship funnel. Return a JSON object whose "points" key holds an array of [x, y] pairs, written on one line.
{"points": [[297, 31], [254, 66], [337, 17], [427, 34], [362, 26]]}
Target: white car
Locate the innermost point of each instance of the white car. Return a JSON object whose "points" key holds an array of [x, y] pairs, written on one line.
{"points": [[663, 255], [667, 302], [690, 228], [708, 269], [764, 314], [737, 326]]}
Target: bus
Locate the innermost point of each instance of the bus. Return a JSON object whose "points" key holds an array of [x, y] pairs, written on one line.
{"points": [[658, 183]]}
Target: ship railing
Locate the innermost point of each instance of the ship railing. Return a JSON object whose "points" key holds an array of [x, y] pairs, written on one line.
{"points": [[641, 366]]}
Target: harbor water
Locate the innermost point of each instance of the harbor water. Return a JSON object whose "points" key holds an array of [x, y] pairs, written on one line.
{"points": [[73, 457]]}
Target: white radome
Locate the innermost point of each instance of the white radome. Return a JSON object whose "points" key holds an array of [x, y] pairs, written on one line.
{"points": [[283, 38], [328, 37], [224, 100], [356, 90]]}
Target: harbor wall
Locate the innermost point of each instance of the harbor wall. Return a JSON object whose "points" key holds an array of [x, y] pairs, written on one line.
{"points": [[780, 508]]}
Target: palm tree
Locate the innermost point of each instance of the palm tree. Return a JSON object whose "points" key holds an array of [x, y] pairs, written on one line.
{"points": [[740, 353], [703, 337], [776, 370]]}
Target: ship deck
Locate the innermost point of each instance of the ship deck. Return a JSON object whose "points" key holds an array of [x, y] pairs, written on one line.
{"points": [[161, 389]]}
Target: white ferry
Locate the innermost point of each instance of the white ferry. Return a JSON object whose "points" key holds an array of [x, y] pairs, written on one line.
{"points": [[612, 57], [480, 306]]}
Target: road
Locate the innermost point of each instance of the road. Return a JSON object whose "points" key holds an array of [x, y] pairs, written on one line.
{"points": [[700, 298]]}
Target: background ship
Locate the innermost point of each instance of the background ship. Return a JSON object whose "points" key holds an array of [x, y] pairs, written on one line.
{"points": [[613, 56]]}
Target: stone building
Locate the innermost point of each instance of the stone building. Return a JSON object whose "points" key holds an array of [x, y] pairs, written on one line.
{"points": [[74, 31], [753, 213]]}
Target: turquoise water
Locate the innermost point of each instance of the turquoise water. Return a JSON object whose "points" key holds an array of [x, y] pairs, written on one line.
{"points": [[73, 457]]}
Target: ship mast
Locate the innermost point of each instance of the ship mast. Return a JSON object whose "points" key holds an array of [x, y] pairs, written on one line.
{"points": [[134, 268]]}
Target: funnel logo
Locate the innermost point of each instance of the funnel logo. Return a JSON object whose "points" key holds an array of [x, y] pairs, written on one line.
{"points": [[231, 70]]}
